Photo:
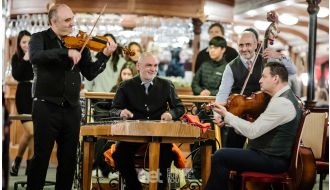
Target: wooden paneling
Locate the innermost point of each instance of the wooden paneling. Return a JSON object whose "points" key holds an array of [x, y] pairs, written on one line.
{"points": [[182, 8], [88, 6], [28, 6]]}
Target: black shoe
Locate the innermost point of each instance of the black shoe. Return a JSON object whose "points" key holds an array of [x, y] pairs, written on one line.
{"points": [[15, 166]]}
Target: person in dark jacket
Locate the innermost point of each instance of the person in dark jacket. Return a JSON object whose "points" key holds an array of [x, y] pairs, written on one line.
{"points": [[206, 82], [207, 79], [22, 72], [56, 111], [145, 97], [215, 29]]}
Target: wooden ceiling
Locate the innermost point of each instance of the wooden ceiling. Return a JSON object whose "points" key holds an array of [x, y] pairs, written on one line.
{"points": [[295, 35], [229, 11]]}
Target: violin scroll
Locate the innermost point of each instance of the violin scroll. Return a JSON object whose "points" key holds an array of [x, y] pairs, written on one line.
{"points": [[272, 30]]}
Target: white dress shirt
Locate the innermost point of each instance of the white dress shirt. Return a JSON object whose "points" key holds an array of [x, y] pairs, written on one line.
{"points": [[279, 111]]}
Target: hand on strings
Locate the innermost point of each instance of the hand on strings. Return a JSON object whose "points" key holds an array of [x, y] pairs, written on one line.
{"points": [[220, 109], [26, 56], [205, 92], [219, 120], [74, 55], [166, 116], [271, 53], [110, 48], [126, 114]]}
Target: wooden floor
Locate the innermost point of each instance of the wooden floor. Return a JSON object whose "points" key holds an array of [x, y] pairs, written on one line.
{"points": [[104, 181]]}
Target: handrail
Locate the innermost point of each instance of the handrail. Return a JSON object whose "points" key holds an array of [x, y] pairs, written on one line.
{"points": [[184, 98]]}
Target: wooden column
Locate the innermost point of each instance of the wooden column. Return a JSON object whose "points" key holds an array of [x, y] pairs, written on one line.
{"points": [[197, 23], [313, 9]]}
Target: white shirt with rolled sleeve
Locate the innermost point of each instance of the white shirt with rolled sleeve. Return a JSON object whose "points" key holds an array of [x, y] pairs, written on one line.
{"points": [[279, 111]]}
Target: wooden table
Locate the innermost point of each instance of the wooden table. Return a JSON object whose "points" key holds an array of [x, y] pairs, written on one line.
{"points": [[152, 132]]}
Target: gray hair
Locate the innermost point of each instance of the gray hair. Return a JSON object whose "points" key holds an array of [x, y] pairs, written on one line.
{"points": [[145, 55], [52, 13]]}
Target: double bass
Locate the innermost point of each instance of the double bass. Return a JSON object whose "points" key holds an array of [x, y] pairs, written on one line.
{"points": [[251, 107]]}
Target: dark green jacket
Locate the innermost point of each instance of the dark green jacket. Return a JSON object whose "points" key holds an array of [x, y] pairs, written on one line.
{"points": [[209, 77]]}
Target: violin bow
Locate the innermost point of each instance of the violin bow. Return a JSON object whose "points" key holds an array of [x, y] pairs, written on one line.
{"points": [[273, 18], [90, 33]]}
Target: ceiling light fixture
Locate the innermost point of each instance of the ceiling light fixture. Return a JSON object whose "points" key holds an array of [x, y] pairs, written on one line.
{"points": [[252, 13], [239, 29], [323, 12], [261, 25], [288, 19]]}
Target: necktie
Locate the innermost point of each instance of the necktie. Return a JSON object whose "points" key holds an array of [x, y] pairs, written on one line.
{"points": [[146, 85], [249, 63]]}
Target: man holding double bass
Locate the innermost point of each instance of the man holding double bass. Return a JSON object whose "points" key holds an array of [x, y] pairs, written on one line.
{"points": [[235, 74]]}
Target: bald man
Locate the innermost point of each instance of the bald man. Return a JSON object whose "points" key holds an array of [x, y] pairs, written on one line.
{"points": [[56, 111], [235, 74], [145, 97]]}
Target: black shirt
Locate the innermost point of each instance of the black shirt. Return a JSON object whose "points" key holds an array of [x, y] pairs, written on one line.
{"points": [[21, 69], [161, 97], [54, 80]]}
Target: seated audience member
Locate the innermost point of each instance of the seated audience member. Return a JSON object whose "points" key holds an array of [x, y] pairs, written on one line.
{"points": [[128, 71]]}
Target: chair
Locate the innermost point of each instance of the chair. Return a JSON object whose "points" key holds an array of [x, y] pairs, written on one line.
{"points": [[141, 160], [289, 177], [315, 135]]}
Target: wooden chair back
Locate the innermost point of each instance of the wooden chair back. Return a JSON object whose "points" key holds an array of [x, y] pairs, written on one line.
{"points": [[315, 132]]}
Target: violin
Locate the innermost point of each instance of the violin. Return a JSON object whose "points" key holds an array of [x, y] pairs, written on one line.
{"points": [[248, 107], [95, 43]]}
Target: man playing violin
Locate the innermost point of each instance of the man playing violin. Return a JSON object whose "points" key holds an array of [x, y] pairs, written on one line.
{"points": [[235, 74], [56, 110], [145, 97], [271, 136]]}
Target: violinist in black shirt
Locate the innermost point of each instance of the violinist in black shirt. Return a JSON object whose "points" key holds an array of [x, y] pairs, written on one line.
{"points": [[56, 111]]}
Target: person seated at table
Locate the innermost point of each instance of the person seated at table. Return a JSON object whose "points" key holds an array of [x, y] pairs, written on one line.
{"points": [[145, 97], [271, 136]]}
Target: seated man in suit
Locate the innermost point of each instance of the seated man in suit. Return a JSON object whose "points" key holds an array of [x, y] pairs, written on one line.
{"points": [[145, 97]]}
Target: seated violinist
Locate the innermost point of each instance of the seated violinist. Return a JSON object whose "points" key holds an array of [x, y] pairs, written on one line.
{"points": [[271, 136], [145, 97], [237, 71]]}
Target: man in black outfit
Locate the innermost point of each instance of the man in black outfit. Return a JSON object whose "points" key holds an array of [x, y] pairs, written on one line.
{"points": [[145, 97], [215, 29], [56, 109]]}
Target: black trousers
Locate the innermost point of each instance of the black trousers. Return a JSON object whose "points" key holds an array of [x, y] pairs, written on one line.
{"points": [[54, 123], [227, 159], [124, 159]]}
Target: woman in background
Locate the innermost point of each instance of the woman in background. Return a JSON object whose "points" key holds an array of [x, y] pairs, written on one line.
{"points": [[137, 49], [128, 71], [23, 73]]}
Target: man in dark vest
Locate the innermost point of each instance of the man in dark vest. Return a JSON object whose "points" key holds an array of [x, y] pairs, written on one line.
{"points": [[271, 136], [235, 74]]}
